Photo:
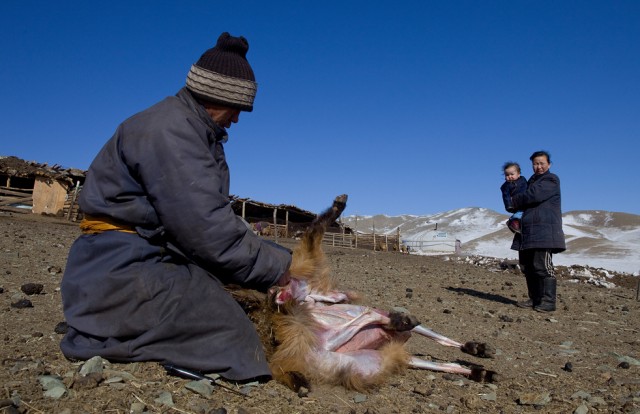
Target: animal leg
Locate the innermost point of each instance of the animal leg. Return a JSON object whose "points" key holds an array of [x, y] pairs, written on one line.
{"points": [[348, 327], [441, 339], [479, 349], [309, 261], [476, 373]]}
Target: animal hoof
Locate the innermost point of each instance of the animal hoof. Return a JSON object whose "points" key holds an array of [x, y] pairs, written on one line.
{"points": [[298, 382], [479, 349], [340, 203], [479, 374]]}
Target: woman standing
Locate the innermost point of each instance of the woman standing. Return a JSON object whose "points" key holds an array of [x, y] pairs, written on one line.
{"points": [[541, 235]]}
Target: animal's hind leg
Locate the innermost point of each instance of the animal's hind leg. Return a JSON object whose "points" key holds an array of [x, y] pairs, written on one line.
{"points": [[308, 258], [327, 217], [331, 214], [476, 373], [478, 349]]}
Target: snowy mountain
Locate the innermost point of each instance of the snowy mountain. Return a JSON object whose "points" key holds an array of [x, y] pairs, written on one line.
{"points": [[603, 239]]}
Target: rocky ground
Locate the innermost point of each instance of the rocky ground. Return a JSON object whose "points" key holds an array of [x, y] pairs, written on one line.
{"points": [[584, 358]]}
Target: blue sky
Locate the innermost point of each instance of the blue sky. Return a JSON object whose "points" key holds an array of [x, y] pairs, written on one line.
{"points": [[409, 107]]}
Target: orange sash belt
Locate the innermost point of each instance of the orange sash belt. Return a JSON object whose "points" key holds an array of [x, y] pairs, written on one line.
{"points": [[96, 225]]}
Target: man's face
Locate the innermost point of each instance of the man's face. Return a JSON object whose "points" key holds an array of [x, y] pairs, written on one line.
{"points": [[511, 173], [223, 116], [540, 165]]}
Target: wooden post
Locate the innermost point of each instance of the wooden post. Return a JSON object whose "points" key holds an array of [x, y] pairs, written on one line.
{"points": [[286, 223], [356, 231], [243, 206], [73, 200], [373, 226], [275, 225]]}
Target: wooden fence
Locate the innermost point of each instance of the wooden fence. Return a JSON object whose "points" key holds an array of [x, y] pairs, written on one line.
{"points": [[369, 241], [9, 196]]}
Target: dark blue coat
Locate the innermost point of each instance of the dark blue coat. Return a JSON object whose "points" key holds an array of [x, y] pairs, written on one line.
{"points": [[158, 294], [511, 188], [542, 218]]}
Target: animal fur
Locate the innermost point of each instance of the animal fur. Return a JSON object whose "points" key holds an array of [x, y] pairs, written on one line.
{"points": [[291, 333]]}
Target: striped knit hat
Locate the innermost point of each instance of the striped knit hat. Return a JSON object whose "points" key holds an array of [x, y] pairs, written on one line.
{"points": [[223, 75]]}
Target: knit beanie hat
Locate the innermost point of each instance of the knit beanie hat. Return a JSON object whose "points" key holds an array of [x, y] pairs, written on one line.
{"points": [[223, 75]]}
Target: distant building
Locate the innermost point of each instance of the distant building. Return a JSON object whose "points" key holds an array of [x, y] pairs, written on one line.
{"points": [[27, 186]]}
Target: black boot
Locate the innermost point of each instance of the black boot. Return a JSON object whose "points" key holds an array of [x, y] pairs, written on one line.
{"points": [[534, 292], [548, 303]]}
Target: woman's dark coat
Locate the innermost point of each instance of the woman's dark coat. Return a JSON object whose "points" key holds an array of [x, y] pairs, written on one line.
{"points": [[541, 221], [158, 294]]}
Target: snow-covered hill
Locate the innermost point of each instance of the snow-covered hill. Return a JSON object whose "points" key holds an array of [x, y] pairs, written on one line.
{"points": [[608, 240]]}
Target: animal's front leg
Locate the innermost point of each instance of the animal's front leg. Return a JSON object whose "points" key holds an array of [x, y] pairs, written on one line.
{"points": [[441, 339], [479, 349], [476, 373]]}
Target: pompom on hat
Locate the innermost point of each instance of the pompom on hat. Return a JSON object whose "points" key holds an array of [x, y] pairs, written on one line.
{"points": [[223, 76]]}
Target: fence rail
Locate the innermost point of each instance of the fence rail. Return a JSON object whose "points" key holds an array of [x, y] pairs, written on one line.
{"points": [[370, 241], [433, 246], [9, 196]]}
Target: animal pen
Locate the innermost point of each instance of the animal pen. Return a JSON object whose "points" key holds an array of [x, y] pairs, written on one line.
{"points": [[369, 241], [287, 221], [29, 187]]}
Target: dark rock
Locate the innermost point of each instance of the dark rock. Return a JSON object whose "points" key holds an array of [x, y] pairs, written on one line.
{"points": [[32, 288], [624, 365], [6, 403], [568, 367], [12, 409], [21, 304], [61, 328]]}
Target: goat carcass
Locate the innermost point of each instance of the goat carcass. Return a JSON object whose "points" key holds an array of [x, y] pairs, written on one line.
{"points": [[322, 335]]}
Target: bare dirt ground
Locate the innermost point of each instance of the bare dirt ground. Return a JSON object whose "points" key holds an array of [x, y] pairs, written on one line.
{"points": [[583, 358]]}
